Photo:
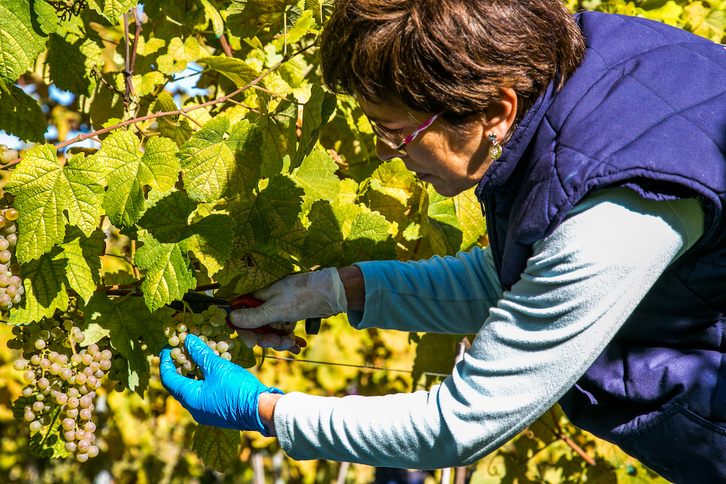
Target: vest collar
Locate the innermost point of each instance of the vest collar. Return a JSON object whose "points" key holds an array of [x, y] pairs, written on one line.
{"points": [[500, 170]]}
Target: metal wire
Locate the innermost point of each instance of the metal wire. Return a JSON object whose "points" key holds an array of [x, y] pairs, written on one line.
{"points": [[348, 365]]}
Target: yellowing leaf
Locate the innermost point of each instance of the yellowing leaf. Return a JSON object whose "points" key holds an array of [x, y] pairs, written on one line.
{"points": [[213, 16], [146, 84], [178, 55]]}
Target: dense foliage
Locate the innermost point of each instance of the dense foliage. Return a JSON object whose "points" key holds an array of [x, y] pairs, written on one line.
{"points": [[141, 192]]}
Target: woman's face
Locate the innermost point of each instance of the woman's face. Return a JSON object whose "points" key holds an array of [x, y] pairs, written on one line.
{"points": [[451, 161]]}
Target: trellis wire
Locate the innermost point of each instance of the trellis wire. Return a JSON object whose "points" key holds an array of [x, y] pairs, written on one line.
{"points": [[349, 365]]}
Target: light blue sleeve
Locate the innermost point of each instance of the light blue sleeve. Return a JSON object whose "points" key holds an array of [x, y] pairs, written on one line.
{"points": [[440, 295], [578, 288]]}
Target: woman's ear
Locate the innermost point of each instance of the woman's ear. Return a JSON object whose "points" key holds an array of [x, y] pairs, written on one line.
{"points": [[501, 114]]}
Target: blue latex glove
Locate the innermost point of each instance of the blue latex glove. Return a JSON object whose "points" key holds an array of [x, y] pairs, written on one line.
{"points": [[228, 397]]}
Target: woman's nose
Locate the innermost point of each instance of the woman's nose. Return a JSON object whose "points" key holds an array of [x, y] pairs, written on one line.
{"points": [[385, 152]]}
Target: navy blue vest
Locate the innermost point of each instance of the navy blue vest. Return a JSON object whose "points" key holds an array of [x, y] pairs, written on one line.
{"points": [[645, 110]]}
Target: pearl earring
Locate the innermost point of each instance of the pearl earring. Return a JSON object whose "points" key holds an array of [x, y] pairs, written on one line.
{"points": [[495, 152]]}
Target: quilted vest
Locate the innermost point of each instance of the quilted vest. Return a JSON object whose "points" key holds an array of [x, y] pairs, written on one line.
{"points": [[645, 110]]}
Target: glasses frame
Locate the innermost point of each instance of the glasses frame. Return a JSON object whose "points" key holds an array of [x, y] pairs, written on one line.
{"points": [[400, 148]]}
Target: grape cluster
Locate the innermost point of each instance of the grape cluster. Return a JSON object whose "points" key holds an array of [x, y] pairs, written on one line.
{"points": [[210, 326], [61, 379], [11, 285], [7, 155]]}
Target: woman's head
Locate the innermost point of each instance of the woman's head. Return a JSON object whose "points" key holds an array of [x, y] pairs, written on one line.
{"points": [[453, 56]]}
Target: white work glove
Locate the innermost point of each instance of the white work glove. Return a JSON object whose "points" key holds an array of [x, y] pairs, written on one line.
{"points": [[318, 294]]}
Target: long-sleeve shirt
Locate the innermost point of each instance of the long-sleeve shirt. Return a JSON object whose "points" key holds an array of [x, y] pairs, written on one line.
{"points": [[533, 342]]}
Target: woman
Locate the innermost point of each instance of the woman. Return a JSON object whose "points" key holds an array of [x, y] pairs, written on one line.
{"points": [[597, 147]]}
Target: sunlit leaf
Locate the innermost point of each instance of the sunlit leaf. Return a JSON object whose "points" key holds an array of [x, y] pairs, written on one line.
{"points": [[236, 70], [21, 38], [179, 55], [316, 175], [44, 191], [112, 9], [316, 113], [220, 160], [127, 171], [245, 18], [169, 274]]}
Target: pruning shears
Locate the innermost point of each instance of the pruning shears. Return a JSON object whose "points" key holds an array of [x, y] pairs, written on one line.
{"points": [[199, 302]]}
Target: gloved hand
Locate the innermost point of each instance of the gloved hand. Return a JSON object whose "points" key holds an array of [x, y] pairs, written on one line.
{"points": [[228, 397], [318, 294]]}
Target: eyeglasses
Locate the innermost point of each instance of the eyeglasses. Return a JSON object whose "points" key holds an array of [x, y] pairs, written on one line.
{"points": [[389, 137]]}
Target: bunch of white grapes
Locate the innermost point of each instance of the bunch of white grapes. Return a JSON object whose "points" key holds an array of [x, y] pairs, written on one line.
{"points": [[210, 326], [11, 285], [61, 380], [7, 155]]}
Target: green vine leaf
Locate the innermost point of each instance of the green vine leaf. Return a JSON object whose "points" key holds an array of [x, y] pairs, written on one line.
{"points": [[218, 165], [126, 171], [23, 33], [316, 175], [213, 16], [271, 218], [112, 9], [340, 235], [316, 113], [129, 324], [394, 192], [47, 442], [172, 127], [84, 263], [279, 138], [216, 447], [245, 18], [169, 273], [257, 269], [43, 192], [71, 61], [209, 239], [472, 222], [21, 115], [435, 353], [236, 70], [45, 291], [439, 223], [179, 54]]}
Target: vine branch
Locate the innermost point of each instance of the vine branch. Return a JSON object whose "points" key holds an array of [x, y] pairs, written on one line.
{"points": [[561, 435], [182, 111]]}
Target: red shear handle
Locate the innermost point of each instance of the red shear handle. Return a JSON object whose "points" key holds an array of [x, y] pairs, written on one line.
{"points": [[251, 302]]}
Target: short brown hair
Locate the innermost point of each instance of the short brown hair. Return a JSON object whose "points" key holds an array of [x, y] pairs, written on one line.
{"points": [[449, 55]]}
